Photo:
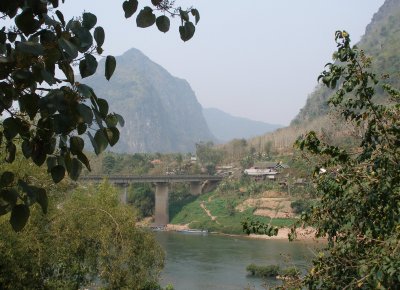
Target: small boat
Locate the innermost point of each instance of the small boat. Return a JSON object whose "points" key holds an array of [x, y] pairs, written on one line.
{"points": [[158, 228], [193, 231]]}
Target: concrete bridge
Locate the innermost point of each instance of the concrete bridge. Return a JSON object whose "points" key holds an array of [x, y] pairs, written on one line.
{"points": [[162, 183]]}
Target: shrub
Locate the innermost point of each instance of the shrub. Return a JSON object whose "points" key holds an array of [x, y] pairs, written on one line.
{"points": [[290, 272], [263, 271], [300, 205]]}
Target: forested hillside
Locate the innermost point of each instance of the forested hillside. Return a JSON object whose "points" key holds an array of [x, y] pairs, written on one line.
{"points": [[381, 41]]}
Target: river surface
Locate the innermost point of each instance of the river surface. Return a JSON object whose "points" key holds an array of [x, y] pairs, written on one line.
{"points": [[195, 261]]}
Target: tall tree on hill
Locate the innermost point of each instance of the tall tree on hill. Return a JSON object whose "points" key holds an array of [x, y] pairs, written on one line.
{"points": [[359, 206], [46, 111], [358, 190]]}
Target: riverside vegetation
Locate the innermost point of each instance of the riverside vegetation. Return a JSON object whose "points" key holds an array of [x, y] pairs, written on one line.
{"points": [[46, 113]]}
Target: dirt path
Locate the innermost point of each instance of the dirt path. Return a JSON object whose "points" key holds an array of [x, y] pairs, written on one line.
{"points": [[213, 218]]}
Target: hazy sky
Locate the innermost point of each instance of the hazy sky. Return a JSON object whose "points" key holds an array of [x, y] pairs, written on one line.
{"points": [[257, 59]]}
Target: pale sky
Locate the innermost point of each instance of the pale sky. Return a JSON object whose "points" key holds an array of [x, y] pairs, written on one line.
{"points": [[257, 59]]}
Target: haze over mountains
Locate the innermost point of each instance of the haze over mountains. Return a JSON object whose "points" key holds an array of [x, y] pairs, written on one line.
{"points": [[161, 111], [226, 127]]}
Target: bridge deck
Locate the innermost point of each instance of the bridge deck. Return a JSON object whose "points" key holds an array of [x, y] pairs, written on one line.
{"points": [[150, 178]]}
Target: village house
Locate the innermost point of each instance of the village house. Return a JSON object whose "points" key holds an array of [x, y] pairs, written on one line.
{"points": [[265, 170]]}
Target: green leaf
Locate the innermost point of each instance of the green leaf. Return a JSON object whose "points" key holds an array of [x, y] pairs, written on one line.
{"points": [[54, 3], [26, 148], [60, 17], [145, 18], [112, 135], [19, 217], [81, 128], [68, 71], [82, 158], [68, 47], [38, 153], [10, 196], [110, 66], [156, 2], [30, 47], [184, 15], [86, 113], [11, 128], [99, 35], [57, 173], [83, 39], [111, 120], [94, 144], [7, 178], [196, 15], [76, 169], [121, 120], [89, 20], [42, 199], [11, 150], [130, 7], [86, 91], [76, 144], [103, 107], [163, 23], [187, 31], [101, 141], [29, 103], [12, 36], [51, 162], [88, 66], [26, 22]]}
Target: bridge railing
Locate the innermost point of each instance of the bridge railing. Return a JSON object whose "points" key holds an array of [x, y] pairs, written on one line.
{"points": [[151, 178]]}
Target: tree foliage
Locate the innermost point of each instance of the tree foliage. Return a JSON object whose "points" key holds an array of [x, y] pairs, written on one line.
{"points": [[97, 245], [46, 111], [142, 197], [359, 189]]}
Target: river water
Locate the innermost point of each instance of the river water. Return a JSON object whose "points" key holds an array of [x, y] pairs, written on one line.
{"points": [[195, 261]]}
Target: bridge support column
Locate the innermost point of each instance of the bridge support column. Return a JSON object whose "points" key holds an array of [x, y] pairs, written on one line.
{"points": [[123, 196], [195, 187], [161, 210]]}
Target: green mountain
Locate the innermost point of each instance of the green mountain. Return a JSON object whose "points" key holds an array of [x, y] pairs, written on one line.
{"points": [[226, 127], [161, 111], [381, 41]]}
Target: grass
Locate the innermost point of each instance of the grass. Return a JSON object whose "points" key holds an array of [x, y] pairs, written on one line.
{"points": [[227, 220]]}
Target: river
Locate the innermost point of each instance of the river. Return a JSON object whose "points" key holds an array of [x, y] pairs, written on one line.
{"points": [[195, 261]]}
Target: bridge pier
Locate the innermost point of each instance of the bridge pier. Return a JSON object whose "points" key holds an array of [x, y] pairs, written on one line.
{"points": [[161, 199], [123, 196], [195, 187]]}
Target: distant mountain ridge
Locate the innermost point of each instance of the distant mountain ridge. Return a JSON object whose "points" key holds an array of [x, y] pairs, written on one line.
{"points": [[381, 41], [161, 111], [226, 127]]}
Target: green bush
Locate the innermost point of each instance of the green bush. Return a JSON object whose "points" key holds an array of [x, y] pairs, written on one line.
{"points": [[141, 196], [263, 271], [290, 272], [300, 205]]}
